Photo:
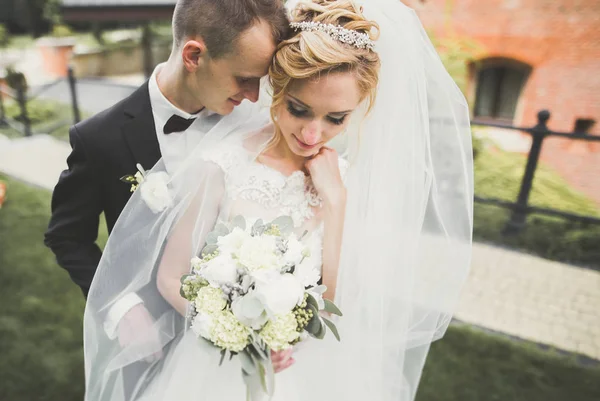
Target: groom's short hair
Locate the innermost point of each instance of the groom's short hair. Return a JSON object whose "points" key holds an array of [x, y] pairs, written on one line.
{"points": [[221, 22]]}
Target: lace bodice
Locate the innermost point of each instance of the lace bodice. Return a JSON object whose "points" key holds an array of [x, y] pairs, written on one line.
{"points": [[252, 187]]}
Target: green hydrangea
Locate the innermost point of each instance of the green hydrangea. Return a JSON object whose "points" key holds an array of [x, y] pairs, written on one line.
{"points": [[227, 332], [191, 285], [273, 230], [281, 332], [210, 300], [210, 256]]}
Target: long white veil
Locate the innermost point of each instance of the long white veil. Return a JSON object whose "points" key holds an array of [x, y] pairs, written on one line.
{"points": [[406, 245]]}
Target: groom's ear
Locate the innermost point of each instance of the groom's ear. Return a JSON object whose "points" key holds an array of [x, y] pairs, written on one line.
{"points": [[194, 53]]}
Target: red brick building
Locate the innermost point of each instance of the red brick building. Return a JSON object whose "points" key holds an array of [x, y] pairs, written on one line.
{"points": [[535, 54]]}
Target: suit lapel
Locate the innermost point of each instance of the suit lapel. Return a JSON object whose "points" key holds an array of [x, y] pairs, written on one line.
{"points": [[139, 130]]}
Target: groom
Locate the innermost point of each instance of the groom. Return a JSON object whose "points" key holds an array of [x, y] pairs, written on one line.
{"points": [[221, 49]]}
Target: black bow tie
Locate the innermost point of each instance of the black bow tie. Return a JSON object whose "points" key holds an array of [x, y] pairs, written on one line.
{"points": [[177, 124]]}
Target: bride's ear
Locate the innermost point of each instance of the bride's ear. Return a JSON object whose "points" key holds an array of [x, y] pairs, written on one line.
{"points": [[194, 54]]}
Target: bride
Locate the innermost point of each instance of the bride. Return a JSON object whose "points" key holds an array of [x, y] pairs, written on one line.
{"points": [[388, 223]]}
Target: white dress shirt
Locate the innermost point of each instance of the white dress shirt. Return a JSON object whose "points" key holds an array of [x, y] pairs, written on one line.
{"points": [[174, 148]]}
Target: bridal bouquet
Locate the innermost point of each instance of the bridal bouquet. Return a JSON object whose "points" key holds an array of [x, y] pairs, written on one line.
{"points": [[254, 289]]}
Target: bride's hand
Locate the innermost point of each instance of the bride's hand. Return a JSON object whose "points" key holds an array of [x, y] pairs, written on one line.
{"points": [[282, 360], [324, 170], [137, 328]]}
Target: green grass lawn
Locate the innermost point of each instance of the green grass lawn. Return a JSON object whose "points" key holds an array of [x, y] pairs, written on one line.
{"points": [[498, 174], [41, 340], [46, 116], [472, 365]]}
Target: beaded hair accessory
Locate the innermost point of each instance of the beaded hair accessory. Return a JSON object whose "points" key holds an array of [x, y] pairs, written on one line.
{"points": [[357, 39]]}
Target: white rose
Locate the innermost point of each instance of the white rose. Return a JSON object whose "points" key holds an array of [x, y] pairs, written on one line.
{"points": [[307, 273], [259, 253], [280, 295], [232, 242], [155, 191], [294, 251], [202, 325], [220, 270], [250, 311]]}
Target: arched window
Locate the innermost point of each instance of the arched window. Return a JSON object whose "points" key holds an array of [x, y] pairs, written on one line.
{"points": [[499, 86]]}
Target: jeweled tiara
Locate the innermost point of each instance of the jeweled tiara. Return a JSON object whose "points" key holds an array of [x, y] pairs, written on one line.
{"points": [[357, 39]]}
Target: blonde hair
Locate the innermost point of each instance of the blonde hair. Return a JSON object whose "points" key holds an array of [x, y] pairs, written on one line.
{"points": [[307, 55]]}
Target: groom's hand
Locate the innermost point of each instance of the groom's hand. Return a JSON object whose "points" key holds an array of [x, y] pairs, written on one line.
{"points": [[137, 329], [282, 360]]}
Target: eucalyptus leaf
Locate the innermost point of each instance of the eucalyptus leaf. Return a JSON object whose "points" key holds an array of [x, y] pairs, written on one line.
{"points": [[259, 352], [314, 325], [332, 327], [223, 352], [211, 238], [221, 230], [208, 249], [182, 293], [331, 308], [258, 228], [310, 300], [239, 221], [263, 379], [248, 363], [321, 333], [284, 223]]}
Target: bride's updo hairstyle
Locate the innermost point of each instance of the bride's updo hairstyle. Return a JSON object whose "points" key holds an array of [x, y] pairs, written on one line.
{"points": [[309, 54]]}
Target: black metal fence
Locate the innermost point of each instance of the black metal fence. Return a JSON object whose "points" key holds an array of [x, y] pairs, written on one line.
{"points": [[521, 208], [22, 123]]}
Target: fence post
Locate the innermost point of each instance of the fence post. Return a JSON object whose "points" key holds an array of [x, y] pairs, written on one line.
{"points": [[22, 100], [147, 49], [519, 213], [73, 89], [2, 110]]}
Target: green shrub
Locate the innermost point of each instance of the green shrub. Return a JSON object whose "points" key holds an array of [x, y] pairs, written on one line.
{"points": [[498, 174], [4, 36], [61, 31], [38, 111], [15, 79]]}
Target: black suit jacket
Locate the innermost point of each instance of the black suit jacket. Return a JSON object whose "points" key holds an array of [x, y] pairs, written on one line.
{"points": [[105, 147]]}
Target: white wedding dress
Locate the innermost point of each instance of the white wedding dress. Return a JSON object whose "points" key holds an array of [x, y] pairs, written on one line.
{"points": [[254, 191]]}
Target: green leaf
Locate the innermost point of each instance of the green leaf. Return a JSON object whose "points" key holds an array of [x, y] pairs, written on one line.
{"points": [[331, 308], [221, 230], [321, 333], [310, 300], [258, 352], [284, 223], [127, 179], [239, 221], [332, 327], [182, 279], [314, 326], [211, 238], [223, 352], [208, 249], [248, 363], [258, 228], [263, 377]]}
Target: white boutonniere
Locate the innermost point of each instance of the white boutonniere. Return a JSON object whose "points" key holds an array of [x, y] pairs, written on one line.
{"points": [[154, 188]]}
